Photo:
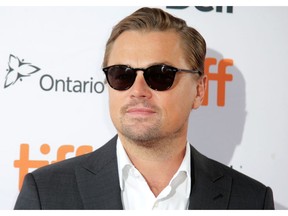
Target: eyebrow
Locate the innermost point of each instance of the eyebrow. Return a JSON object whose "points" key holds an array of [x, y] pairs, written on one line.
{"points": [[149, 65], [161, 63], [156, 63]]}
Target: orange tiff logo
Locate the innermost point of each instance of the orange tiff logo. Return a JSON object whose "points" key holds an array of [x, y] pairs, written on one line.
{"points": [[220, 76], [24, 163]]}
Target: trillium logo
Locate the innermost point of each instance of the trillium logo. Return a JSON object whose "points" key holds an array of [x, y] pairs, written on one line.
{"points": [[17, 70]]}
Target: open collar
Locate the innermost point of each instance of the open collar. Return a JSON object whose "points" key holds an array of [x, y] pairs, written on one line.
{"points": [[98, 181]]}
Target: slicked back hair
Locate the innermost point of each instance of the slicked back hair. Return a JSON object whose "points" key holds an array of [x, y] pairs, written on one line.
{"points": [[154, 19]]}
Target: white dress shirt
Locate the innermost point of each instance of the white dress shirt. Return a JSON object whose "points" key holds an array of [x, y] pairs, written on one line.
{"points": [[136, 193]]}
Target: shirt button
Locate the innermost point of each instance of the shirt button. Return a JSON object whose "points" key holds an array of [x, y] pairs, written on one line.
{"points": [[136, 173], [155, 204]]}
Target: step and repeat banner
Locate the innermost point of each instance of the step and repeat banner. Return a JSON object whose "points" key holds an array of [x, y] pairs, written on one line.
{"points": [[54, 101]]}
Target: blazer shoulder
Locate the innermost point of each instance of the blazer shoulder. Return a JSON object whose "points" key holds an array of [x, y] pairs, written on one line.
{"points": [[68, 166], [61, 185], [245, 192], [214, 168]]}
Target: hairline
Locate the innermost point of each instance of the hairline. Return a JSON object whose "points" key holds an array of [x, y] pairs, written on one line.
{"points": [[109, 46]]}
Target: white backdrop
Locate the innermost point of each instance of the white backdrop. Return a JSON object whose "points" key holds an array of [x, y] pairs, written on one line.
{"points": [[53, 104]]}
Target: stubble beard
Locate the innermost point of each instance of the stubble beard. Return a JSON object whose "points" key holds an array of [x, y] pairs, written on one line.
{"points": [[147, 133], [151, 139], [142, 131], [142, 134]]}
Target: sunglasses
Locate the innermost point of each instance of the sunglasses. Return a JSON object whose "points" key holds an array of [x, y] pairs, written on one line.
{"points": [[157, 77]]}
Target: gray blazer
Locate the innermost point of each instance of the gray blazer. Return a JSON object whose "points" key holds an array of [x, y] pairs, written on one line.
{"points": [[91, 182]]}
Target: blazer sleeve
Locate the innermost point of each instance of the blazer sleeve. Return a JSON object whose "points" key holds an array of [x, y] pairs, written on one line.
{"points": [[269, 201], [28, 197]]}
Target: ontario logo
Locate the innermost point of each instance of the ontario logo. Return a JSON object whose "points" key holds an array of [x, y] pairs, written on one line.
{"points": [[17, 70]]}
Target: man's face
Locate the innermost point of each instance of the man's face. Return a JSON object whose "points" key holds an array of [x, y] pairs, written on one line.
{"points": [[141, 113]]}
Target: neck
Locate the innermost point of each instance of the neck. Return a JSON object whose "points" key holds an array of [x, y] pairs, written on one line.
{"points": [[156, 161], [154, 150]]}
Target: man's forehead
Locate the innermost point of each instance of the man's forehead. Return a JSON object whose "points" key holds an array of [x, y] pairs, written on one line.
{"points": [[143, 49], [147, 41]]}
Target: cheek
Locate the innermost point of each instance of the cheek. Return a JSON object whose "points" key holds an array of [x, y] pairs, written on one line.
{"points": [[182, 97], [177, 107]]}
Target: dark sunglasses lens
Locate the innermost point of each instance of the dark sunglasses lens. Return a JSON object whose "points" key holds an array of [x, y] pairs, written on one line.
{"points": [[160, 77], [120, 77]]}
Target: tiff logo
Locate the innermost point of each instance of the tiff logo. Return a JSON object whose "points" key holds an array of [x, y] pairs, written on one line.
{"points": [[218, 9], [25, 163], [220, 76]]}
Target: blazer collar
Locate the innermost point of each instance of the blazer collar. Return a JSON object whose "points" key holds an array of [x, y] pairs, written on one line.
{"points": [[98, 179], [99, 188], [210, 187]]}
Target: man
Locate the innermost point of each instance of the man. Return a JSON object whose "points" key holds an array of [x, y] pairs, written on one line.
{"points": [[154, 66]]}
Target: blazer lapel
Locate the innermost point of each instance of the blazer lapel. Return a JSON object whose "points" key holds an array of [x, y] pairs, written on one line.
{"points": [[210, 187], [98, 179], [99, 188]]}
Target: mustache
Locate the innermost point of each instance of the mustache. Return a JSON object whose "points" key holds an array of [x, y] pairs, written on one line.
{"points": [[139, 103]]}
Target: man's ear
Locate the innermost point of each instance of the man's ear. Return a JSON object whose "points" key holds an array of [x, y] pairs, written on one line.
{"points": [[201, 88]]}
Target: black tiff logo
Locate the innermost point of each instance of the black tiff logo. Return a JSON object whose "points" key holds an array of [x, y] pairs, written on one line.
{"points": [[17, 69], [218, 9]]}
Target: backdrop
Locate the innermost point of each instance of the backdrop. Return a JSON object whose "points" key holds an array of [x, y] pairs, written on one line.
{"points": [[54, 103]]}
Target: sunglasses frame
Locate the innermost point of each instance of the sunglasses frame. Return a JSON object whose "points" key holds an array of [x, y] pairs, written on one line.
{"points": [[173, 69]]}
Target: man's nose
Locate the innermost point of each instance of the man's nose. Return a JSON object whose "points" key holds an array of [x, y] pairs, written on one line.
{"points": [[140, 88]]}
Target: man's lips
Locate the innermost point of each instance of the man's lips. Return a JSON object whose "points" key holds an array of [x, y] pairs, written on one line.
{"points": [[140, 111]]}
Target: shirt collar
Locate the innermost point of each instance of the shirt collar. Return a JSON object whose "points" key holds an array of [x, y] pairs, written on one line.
{"points": [[122, 160], [124, 163]]}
